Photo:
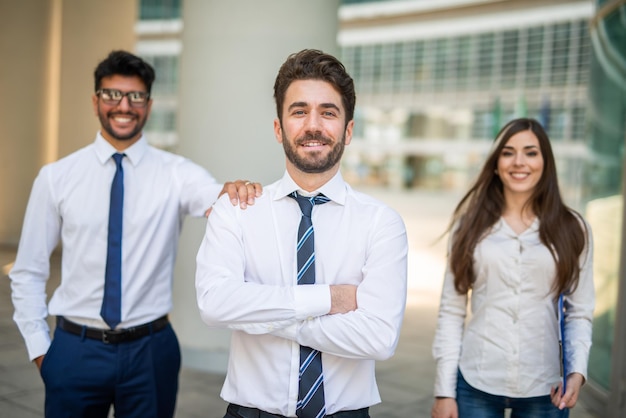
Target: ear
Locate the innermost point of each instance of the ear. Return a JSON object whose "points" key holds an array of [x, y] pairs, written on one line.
{"points": [[278, 131], [148, 108], [349, 128], [94, 102]]}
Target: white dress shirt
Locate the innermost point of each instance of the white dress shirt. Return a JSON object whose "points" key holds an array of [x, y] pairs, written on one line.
{"points": [[510, 345], [246, 281], [69, 202]]}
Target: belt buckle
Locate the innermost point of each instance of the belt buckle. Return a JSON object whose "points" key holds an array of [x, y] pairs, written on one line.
{"points": [[106, 334]]}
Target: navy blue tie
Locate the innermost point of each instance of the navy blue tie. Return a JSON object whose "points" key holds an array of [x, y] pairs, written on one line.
{"points": [[111, 310], [311, 402]]}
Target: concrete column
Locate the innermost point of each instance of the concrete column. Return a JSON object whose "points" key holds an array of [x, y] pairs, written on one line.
{"points": [[23, 32], [232, 51], [91, 29], [49, 49]]}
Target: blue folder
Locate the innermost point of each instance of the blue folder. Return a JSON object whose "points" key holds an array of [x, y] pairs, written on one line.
{"points": [[561, 315]]}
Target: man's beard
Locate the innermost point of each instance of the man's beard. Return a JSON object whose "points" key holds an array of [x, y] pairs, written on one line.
{"points": [[314, 162], [106, 125]]}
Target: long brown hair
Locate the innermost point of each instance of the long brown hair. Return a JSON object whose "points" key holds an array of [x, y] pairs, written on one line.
{"points": [[561, 229]]}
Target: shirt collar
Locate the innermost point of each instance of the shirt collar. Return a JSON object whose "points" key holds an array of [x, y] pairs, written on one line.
{"points": [[134, 153], [503, 226], [335, 189]]}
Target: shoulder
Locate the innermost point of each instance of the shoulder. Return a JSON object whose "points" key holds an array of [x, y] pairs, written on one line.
{"points": [[175, 162], [77, 160], [375, 210], [164, 156], [261, 210]]}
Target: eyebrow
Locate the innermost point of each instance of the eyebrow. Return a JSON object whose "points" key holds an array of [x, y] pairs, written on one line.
{"points": [[323, 105], [525, 147]]}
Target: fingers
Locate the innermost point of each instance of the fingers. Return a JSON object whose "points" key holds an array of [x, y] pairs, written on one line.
{"points": [[570, 397], [248, 192], [242, 192], [555, 395], [444, 408], [567, 400], [258, 189]]}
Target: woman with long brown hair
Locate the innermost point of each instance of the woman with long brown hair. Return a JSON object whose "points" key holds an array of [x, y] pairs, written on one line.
{"points": [[516, 251]]}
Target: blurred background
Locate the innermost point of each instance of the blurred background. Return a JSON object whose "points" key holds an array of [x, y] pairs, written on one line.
{"points": [[435, 81]]}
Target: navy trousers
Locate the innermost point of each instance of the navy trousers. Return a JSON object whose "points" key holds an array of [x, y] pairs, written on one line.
{"points": [[84, 377]]}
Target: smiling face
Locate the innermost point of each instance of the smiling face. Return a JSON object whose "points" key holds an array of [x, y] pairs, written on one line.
{"points": [[121, 123], [520, 165], [313, 129]]}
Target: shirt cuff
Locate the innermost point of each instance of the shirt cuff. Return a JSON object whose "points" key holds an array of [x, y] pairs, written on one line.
{"points": [[37, 345], [312, 301]]}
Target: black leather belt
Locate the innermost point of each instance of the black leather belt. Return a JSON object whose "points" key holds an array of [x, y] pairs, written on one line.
{"points": [[110, 336], [245, 412]]}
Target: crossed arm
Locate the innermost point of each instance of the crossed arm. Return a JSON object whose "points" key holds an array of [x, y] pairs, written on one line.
{"points": [[356, 317]]}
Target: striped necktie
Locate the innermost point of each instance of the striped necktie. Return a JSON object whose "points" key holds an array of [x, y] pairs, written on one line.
{"points": [[111, 310], [311, 388]]}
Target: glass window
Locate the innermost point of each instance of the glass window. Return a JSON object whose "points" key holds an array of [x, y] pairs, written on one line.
{"points": [[534, 58], [441, 54], [463, 57], [367, 69], [583, 53], [578, 122], [560, 54], [161, 120], [166, 69], [481, 128], [397, 67], [558, 124], [510, 49], [420, 73], [604, 189], [159, 9], [485, 59], [376, 61], [428, 65]]}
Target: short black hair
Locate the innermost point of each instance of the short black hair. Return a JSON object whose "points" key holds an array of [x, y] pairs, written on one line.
{"points": [[126, 64]]}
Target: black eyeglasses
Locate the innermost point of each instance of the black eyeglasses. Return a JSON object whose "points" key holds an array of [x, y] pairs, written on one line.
{"points": [[113, 97]]}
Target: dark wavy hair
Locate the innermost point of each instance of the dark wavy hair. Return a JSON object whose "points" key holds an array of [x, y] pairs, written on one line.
{"points": [[312, 64], [561, 229], [126, 64]]}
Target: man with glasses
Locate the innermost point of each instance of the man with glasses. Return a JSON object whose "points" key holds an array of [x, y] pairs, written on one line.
{"points": [[117, 207]]}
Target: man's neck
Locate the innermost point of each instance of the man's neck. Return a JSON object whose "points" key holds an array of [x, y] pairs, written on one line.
{"points": [[310, 182], [120, 144]]}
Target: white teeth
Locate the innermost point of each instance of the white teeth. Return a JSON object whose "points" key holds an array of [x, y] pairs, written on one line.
{"points": [[519, 175], [312, 144], [122, 119]]}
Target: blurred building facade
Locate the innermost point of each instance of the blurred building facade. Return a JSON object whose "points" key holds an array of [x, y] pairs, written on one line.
{"points": [[435, 82], [159, 41]]}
